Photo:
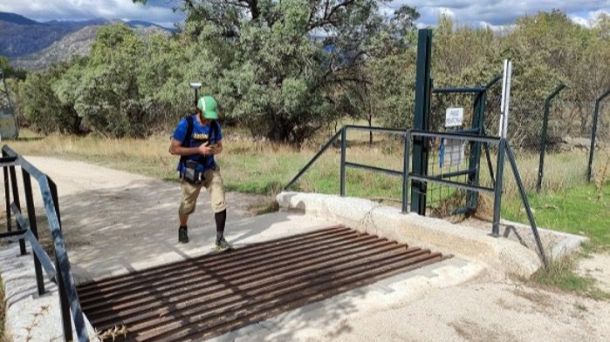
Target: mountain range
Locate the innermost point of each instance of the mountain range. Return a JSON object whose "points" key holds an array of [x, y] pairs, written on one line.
{"points": [[34, 45]]}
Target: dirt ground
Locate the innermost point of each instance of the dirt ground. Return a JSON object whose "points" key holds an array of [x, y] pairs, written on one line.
{"points": [[486, 310], [97, 199]]}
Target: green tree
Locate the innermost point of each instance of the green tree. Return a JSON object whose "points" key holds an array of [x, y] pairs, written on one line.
{"points": [[109, 97], [276, 64], [42, 108], [9, 71]]}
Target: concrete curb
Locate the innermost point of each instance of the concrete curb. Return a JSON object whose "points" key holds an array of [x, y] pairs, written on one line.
{"points": [[499, 254]]}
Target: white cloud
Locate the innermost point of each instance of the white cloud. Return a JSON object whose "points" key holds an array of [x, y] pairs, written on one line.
{"points": [[590, 18], [498, 13], [491, 13], [43, 10]]}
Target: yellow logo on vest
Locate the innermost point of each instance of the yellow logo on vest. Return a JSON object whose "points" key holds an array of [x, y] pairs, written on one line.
{"points": [[200, 136]]}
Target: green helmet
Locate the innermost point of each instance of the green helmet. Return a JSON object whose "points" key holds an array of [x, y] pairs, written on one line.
{"points": [[207, 105]]}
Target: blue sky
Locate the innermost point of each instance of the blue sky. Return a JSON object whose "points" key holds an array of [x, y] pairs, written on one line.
{"points": [[495, 13]]}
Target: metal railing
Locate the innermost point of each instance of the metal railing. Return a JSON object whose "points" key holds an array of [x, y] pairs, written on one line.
{"points": [[409, 176], [58, 270], [342, 134]]}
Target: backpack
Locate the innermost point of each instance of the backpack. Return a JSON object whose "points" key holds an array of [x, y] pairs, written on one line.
{"points": [[214, 127]]}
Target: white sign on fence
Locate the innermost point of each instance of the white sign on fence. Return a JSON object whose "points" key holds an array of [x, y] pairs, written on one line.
{"points": [[451, 153], [454, 117]]}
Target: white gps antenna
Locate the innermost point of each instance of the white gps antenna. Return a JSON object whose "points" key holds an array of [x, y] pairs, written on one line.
{"points": [[196, 86]]}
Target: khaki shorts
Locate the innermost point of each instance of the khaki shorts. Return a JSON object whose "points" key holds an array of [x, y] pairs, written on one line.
{"points": [[213, 183]]}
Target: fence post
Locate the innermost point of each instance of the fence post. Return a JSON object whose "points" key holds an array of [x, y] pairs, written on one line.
{"points": [[543, 135], [593, 133], [342, 167], [495, 228], [13, 176], [29, 202]]}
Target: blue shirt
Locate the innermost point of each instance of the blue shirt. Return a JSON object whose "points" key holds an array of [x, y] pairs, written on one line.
{"points": [[200, 136]]}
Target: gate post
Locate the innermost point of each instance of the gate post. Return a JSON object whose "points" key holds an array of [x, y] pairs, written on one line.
{"points": [[421, 119]]}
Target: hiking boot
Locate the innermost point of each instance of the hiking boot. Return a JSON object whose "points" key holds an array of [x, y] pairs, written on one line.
{"points": [[183, 235], [223, 245]]}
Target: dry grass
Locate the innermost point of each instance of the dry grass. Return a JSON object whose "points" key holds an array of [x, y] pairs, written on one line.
{"points": [[561, 171]]}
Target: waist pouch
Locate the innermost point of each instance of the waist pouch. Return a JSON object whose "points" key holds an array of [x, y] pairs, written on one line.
{"points": [[193, 172]]}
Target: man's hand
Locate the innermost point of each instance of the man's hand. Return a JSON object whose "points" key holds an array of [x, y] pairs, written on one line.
{"points": [[206, 149]]}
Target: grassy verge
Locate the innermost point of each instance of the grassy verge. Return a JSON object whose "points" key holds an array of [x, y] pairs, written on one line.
{"points": [[561, 275], [581, 210]]}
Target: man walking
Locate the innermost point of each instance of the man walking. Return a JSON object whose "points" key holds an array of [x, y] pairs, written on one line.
{"points": [[197, 139]]}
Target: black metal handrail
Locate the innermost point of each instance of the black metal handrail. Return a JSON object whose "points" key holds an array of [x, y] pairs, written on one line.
{"points": [[58, 271]]}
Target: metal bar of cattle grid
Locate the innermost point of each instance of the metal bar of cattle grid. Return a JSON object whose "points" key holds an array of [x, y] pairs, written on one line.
{"points": [[213, 294]]}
